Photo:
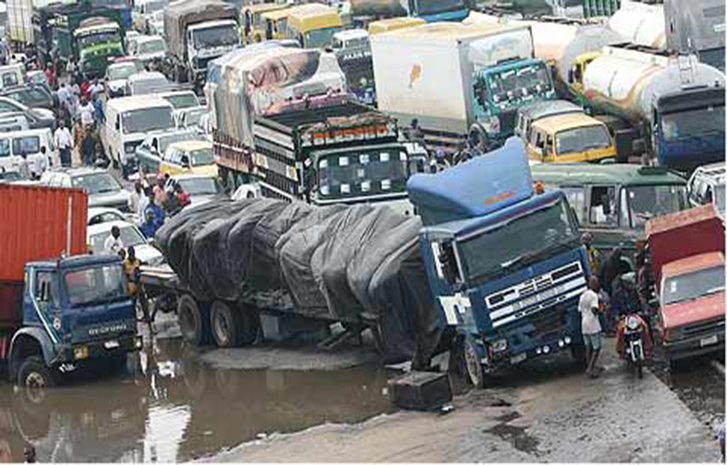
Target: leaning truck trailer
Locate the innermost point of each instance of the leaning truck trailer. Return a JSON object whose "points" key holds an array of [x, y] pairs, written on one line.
{"points": [[505, 265], [59, 310]]}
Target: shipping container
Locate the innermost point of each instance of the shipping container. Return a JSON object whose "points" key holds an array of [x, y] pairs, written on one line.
{"points": [[684, 234], [36, 223]]}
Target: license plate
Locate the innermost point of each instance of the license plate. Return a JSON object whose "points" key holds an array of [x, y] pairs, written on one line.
{"points": [[111, 344], [708, 341], [518, 358]]}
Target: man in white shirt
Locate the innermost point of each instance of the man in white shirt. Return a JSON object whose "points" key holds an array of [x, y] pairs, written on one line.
{"points": [[87, 112], [589, 307], [95, 89], [113, 244], [64, 142], [40, 164]]}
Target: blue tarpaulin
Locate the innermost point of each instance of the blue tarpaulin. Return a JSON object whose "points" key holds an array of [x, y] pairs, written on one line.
{"points": [[462, 192]]}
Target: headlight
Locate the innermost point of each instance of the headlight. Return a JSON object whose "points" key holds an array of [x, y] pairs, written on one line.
{"points": [[80, 352], [632, 323], [499, 345]]}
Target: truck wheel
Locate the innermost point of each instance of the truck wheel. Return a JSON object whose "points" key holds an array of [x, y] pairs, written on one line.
{"points": [[193, 321], [226, 326], [475, 373], [33, 373]]}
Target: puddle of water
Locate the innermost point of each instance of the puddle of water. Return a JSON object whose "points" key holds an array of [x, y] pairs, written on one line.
{"points": [[178, 409]]}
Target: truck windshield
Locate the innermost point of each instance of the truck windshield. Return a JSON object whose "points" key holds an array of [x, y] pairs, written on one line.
{"points": [[694, 285], [511, 85], [581, 139], [518, 241], [203, 157], [98, 37], [368, 174], [431, 7], [319, 38], [647, 202], [696, 123], [147, 119], [96, 285], [216, 36]]}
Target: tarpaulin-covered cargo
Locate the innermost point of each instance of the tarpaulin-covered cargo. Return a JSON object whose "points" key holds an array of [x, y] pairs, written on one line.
{"points": [[333, 263], [181, 15], [265, 81]]}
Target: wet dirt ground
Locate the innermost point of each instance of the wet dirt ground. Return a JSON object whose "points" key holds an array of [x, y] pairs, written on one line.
{"points": [[181, 404]]}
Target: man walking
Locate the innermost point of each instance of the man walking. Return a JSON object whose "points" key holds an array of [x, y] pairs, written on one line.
{"points": [[64, 142], [113, 244], [591, 326]]}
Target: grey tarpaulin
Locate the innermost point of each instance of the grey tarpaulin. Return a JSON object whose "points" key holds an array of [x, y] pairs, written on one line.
{"points": [[333, 263]]}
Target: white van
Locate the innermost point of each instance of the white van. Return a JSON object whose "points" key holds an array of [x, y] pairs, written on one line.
{"points": [[14, 144], [128, 122], [147, 82]]}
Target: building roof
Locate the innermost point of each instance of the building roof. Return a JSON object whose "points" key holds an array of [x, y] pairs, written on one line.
{"points": [[617, 173], [551, 124], [692, 264]]}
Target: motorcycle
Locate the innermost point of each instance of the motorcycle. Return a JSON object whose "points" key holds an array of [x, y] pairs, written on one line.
{"points": [[633, 341]]}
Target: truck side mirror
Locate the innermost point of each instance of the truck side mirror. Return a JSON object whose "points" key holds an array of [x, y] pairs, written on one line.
{"points": [[570, 76]]}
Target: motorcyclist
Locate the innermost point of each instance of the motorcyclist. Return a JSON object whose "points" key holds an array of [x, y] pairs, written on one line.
{"points": [[626, 303]]}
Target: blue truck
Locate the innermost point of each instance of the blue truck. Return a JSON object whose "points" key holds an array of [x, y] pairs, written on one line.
{"points": [[505, 263], [58, 315]]}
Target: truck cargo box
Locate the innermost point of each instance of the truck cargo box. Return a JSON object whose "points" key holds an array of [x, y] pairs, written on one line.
{"points": [[36, 223], [684, 234], [181, 15]]}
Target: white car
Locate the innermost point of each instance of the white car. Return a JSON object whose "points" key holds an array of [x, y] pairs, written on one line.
{"points": [[149, 48], [98, 215], [131, 236], [116, 76]]}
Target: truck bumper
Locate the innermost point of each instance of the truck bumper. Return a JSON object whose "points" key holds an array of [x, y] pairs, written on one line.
{"points": [[101, 349], [693, 347]]}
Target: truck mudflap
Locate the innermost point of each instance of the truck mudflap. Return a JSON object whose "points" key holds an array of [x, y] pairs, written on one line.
{"points": [[694, 346]]}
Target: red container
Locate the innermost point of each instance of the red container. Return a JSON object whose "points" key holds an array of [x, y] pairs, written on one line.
{"points": [[684, 234], [36, 223]]}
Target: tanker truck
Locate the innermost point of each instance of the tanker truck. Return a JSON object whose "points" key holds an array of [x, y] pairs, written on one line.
{"points": [[557, 41], [675, 106], [428, 10], [640, 23], [459, 80]]}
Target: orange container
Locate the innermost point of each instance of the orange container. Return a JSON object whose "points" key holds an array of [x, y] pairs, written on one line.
{"points": [[36, 223]]}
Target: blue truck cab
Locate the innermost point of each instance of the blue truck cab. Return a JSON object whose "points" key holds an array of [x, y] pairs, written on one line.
{"points": [[505, 264], [76, 313]]}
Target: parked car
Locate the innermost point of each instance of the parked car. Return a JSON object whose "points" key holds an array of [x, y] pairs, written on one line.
{"points": [[31, 95], [130, 236], [10, 122], [147, 82], [37, 117], [149, 48], [706, 185], [12, 75], [149, 153], [103, 189], [191, 117], [193, 156], [116, 76], [98, 215]]}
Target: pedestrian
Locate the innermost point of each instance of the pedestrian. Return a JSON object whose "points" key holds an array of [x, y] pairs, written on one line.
{"points": [[149, 226], [144, 201], [95, 89], [159, 215], [135, 197], [131, 267], [64, 95], [87, 112], [40, 164], [98, 110], [24, 167], [589, 307], [594, 256], [50, 76], [29, 453], [613, 267], [113, 243], [625, 299], [442, 162], [721, 437], [160, 192]]}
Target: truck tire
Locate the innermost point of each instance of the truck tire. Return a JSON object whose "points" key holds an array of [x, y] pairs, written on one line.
{"points": [[194, 321], [34, 373], [475, 372], [226, 325]]}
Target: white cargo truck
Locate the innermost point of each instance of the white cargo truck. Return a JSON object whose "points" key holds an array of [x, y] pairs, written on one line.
{"points": [[459, 80], [20, 22]]}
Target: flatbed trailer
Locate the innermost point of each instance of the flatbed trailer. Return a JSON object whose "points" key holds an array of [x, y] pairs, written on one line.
{"points": [[239, 323]]}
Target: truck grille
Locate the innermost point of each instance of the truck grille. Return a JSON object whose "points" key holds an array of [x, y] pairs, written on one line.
{"points": [[549, 321], [703, 328]]}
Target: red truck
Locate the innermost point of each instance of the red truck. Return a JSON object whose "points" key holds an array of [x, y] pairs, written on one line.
{"points": [[59, 310], [687, 255]]}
